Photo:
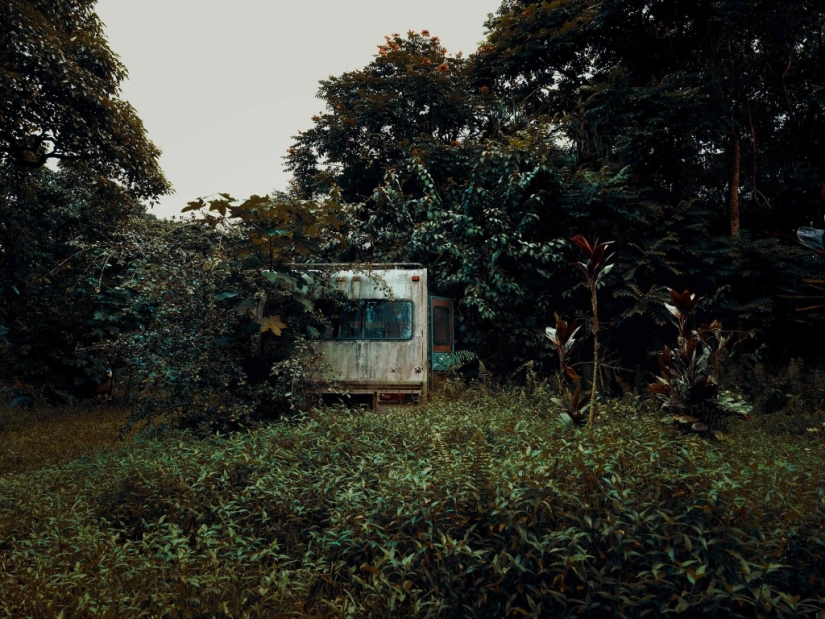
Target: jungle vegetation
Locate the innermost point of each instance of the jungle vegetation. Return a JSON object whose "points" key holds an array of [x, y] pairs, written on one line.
{"points": [[477, 504], [597, 173], [686, 134]]}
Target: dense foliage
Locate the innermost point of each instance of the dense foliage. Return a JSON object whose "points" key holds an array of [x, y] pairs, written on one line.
{"points": [[60, 87], [701, 100], [712, 110], [59, 227], [59, 234], [219, 317], [669, 129], [477, 506]]}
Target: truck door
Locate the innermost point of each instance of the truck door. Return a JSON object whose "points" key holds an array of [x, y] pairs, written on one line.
{"points": [[442, 341]]}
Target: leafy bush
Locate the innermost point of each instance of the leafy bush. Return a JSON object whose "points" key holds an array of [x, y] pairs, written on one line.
{"points": [[689, 382], [59, 233], [474, 506], [223, 319]]}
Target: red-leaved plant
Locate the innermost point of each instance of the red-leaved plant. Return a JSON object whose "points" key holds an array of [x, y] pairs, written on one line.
{"points": [[688, 384], [562, 337], [594, 269]]}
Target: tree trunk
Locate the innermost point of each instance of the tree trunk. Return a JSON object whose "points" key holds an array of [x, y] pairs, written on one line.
{"points": [[734, 183]]}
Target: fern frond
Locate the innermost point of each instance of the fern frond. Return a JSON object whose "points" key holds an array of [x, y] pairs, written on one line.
{"points": [[458, 358]]}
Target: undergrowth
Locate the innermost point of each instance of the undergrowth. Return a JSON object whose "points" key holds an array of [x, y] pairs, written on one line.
{"points": [[480, 505], [33, 438]]}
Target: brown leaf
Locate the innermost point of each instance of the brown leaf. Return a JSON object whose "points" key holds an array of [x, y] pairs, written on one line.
{"points": [[689, 349], [575, 399], [686, 419], [684, 301], [659, 388], [272, 323], [583, 244]]}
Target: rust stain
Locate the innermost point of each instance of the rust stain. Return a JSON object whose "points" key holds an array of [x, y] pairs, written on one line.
{"points": [[370, 366]]}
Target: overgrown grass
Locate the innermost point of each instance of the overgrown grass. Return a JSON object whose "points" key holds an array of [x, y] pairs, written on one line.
{"points": [[479, 505], [32, 439]]}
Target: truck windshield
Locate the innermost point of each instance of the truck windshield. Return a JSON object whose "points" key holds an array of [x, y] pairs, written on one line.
{"points": [[368, 320]]}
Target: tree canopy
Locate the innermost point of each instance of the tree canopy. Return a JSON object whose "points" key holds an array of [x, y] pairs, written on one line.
{"points": [[60, 87], [62, 227], [701, 99], [412, 96], [686, 131]]}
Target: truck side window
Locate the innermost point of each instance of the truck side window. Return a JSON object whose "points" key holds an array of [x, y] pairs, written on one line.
{"points": [[388, 320], [441, 326], [367, 320], [343, 320]]}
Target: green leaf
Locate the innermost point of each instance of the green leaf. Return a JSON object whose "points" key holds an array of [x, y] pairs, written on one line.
{"points": [[229, 294], [275, 276]]}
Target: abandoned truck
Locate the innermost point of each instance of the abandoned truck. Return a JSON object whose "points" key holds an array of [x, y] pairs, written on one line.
{"points": [[385, 339]]}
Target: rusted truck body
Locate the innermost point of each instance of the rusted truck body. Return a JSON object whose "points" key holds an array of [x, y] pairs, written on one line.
{"points": [[382, 343]]}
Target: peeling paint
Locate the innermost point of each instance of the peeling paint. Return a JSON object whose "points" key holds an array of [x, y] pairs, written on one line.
{"points": [[374, 365]]}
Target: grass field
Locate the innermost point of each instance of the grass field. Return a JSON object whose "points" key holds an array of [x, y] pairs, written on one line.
{"points": [[32, 439], [478, 504]]}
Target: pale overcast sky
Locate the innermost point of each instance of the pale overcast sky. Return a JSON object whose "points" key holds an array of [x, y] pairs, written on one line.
{"points": [[222, 86]]}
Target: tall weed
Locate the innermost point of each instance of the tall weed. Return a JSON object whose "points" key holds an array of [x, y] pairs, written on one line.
{"points": [[472, 506]]}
